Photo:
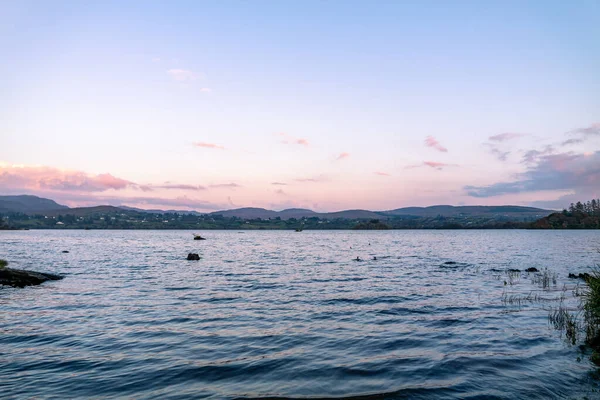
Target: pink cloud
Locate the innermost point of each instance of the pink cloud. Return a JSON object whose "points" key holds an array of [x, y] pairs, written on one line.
{"points": [[343, 155], [280, 192], [278, 183], [179, 187], [209, 145], [381, 173], [49, 178], [432, 142], [288, 139], [225, 185], [432, 164], [320, 178], [503, 137]]}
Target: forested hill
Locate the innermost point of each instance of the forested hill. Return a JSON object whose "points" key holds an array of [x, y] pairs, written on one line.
{"points": [[577, 216]]}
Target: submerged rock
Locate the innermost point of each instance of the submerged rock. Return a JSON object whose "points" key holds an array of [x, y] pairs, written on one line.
{"points": [[65, 251], [193, 257], [450, 263], [585, 276], [532, 269], [513, 270], [21, 278]]}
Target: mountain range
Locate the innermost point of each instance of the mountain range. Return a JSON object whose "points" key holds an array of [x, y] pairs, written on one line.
{"points": [[29, 204]]}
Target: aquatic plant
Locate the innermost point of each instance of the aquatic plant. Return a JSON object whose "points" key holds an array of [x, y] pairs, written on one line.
{"points": [[544, 278], [3, 263], [584, 322], [565, 321]]}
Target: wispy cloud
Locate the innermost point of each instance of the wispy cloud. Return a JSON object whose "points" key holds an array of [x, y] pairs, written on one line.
{"points": [[380, 173], [281, 192], [438, 165], [565, 171], [205, 90], [279, 183], [225, 186], [503, 137], [342, 156], [80, 188], [432, 142], [182, 75], [320, 178], [532, 156], [593, 129], [501, 155], [288, 139], [208, 145], [171, 186], [572, 141], [432, 164], [49, 178]]}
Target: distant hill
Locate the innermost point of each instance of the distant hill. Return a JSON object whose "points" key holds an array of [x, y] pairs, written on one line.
{"points": [[568, 220], [253, 213], [37, 205], [28, 204], [87, 211], [156, 211], [517, 212]]}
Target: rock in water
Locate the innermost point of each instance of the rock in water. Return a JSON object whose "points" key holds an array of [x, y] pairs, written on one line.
{"points": [[21, 278], [193, 257], [65, 251], [532, 269]]}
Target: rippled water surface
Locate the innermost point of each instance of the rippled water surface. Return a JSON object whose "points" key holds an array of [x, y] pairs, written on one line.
{"points": [[286, 314]]}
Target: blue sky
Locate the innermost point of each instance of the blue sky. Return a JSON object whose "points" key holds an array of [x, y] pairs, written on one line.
{"points": [[335, 99]]}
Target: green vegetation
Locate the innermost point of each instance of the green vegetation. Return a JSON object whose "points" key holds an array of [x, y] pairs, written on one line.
{"points": [[116, 218], [578, 216], [373, 224], [3, 263], [582, 325]]}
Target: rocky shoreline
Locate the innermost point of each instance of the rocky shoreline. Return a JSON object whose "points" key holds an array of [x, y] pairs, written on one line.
{"points": [[21, 277]]}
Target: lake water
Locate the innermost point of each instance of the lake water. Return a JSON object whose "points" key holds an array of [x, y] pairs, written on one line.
{"points": [[286, 314]]}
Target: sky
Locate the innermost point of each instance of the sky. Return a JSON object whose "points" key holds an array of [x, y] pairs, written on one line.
{"points": [[327, 105]]}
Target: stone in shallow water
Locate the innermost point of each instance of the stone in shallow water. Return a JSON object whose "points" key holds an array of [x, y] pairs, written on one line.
{"points": [[21, 278], [193, 256]]}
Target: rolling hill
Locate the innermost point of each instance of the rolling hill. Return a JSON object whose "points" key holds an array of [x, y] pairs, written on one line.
{"points": [[28, 204]]}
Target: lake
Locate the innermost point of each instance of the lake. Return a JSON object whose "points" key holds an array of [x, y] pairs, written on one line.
{"points": [[286, 314]]}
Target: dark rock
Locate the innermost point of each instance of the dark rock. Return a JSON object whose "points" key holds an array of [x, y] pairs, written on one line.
{"points": [[532, 269], [193, 257], [514, 270], [585, 276], [65, 251], [450, 262], [198, 237], [21, 278]]}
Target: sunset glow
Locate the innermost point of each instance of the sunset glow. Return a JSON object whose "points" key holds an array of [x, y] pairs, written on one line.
{"points": [[318, 105]]}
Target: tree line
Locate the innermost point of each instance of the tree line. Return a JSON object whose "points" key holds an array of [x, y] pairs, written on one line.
{"points": [[591, 207]]}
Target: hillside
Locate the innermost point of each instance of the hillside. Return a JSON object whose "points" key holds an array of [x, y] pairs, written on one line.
{"points": [[568, 220], [253, 213], [28, 204], [514, 212]]}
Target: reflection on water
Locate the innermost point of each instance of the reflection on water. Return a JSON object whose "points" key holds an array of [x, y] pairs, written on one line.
{"points": [[289, 314]]}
